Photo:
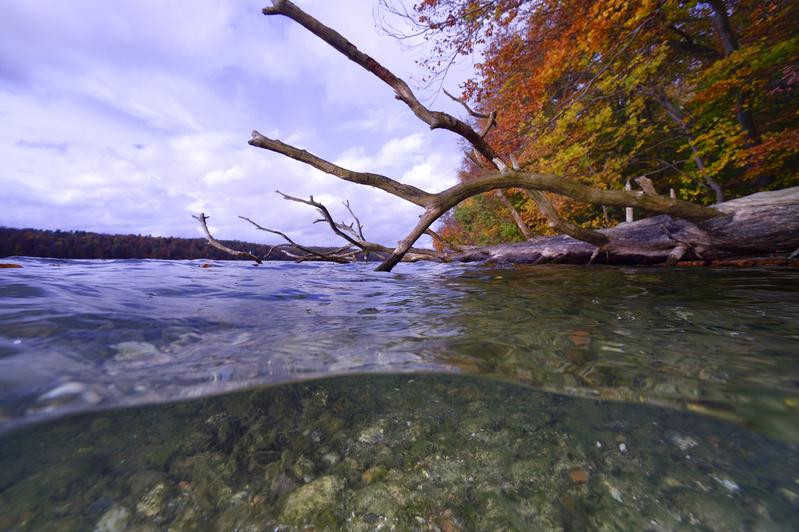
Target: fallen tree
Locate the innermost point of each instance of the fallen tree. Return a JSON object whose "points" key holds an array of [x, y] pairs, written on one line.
{"points": [[757, 225]]}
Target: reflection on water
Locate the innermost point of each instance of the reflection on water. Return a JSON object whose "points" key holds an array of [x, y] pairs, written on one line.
{"points": [[405, 452], [79, 335]]}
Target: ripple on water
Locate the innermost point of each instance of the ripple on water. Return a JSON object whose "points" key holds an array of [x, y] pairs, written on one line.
{"points": [[720, 342]]}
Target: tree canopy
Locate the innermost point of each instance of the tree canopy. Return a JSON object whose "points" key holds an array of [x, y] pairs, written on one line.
{"points": [[699, 97]]}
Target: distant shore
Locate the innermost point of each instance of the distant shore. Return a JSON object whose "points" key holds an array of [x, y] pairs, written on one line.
{"points": [[88, 245]]}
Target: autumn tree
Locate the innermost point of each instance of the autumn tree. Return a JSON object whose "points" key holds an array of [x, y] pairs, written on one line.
{"points": [[695, 96]]}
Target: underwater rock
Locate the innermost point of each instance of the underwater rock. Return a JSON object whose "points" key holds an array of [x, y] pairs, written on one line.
{"points": [[373, 474], [143, 481], [152, 503], [127, 351], [311, 499], [330, 459], [378, 505], [67, 392], [302, 469], [281, 485], [114, 520], [371, 435], [683, 442], [579, 475]]}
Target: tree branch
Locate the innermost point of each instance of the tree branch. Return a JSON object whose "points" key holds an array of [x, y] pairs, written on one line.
{"points": [[465, 105], [434, 119], [437, 204], [219, 245], [333, 256], [406, 192]]}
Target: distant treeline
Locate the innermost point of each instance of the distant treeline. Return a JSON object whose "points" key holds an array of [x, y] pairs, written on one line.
{"points": [[85, 245]]}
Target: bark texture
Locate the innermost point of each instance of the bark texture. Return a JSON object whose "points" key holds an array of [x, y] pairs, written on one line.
{"points": [[763, 224]]}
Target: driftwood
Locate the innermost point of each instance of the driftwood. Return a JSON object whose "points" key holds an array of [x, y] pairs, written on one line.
{"points": [[761, 224]]}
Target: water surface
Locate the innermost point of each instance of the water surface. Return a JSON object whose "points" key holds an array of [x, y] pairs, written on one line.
{"points": [[437, 397], [78, 335]]}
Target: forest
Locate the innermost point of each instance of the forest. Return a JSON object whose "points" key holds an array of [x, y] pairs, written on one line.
{"points": [[87, 245]]}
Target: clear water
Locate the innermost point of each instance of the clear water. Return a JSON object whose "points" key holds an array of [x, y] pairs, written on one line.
{"points": [[519, 398]]}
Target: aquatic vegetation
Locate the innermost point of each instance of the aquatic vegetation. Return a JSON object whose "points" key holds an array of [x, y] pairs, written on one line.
{"points": [[401, 452]]}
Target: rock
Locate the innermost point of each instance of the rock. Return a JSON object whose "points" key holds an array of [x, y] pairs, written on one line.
{"points": [[131, 351], [614, 491], [10, 266], [728, 484], [143, 481], [114, 520], [311, 499], [302, 469], [151, 504], [579, 475], [281, 485], [683, 442], [330, 459], [373, 474], [372, 435]]}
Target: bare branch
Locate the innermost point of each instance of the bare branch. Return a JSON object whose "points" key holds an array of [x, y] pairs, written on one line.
{"points": [[646, 184], [352, 239], [406, 192], [219, 245], [319, 256], [434, 119], [465, 105], [357, 220], [559, 223], [517, 218], [445, 243], [425, 221], [576, 191]]}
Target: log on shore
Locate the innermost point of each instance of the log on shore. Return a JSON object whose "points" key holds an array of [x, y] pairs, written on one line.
{"points": [[765, 224]]}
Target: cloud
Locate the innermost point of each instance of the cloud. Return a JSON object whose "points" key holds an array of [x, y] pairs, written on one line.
{"points": [[130, 116]]}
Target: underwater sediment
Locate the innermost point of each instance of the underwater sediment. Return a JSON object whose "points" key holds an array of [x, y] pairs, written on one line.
{"points": [[404, 452]]}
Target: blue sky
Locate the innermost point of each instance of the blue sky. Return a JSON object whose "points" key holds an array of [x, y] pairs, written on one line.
{"points": [[129, 116]]}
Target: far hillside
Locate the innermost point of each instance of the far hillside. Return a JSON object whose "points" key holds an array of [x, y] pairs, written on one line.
{"points": [[86, 245]]}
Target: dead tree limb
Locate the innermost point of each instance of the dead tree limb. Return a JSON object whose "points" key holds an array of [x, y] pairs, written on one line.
{"points": [[436, 205], [219, 245], [434, 119], [334, 256], [356, 241]]}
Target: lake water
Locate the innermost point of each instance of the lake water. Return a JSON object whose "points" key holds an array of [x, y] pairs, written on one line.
{"points": [[155, 395]]}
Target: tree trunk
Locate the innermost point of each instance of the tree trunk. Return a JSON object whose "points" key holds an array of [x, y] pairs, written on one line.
{"points": [[760, 225]]}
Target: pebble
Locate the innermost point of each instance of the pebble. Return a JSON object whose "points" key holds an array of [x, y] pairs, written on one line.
{"points": [[134, 350], [684, 442], [726, 483], [114, 520], [622, 448], [68, 388], [579, 475]]}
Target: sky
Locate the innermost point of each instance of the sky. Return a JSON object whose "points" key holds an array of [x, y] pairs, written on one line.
{"points": [[130, 116]]}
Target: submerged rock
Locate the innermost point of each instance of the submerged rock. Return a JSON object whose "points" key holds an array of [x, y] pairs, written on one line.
{"points": [[311, 499], [127, 351], [152, 503], [114, 520]]}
